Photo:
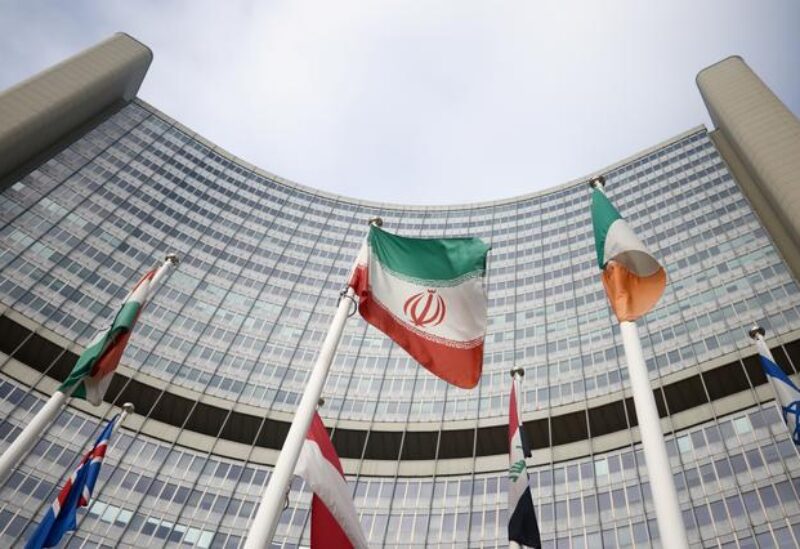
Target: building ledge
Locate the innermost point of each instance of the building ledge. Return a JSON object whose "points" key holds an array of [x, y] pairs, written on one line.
{"points": [[561, 436]]}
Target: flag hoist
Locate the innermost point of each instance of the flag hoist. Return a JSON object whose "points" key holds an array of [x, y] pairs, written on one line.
{"points": [[94, 369], [634, 281], [427, 295]]}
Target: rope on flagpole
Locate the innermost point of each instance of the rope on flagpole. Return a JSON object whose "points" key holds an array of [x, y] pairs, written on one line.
{"points": [[344, 294]]}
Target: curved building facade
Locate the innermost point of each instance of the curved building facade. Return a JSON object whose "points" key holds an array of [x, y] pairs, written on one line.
{"points": [[220, 357]]}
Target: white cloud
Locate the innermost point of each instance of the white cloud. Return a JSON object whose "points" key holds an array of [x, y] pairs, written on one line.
{"points": [[423, 102]]}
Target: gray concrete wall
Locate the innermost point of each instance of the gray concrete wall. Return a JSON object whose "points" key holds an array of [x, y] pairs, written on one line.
{"points": [[753, 191], [760, 139], [37, 113]]}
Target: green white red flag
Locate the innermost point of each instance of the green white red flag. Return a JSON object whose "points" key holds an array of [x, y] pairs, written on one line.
{"points": [[94, 369], [427, 294], [633, 279]]}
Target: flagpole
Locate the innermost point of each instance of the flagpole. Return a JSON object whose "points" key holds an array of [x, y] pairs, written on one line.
{"points": [[169, 260], [262, 528], [659, 472], [47, 413], [517, 373], [127, 409], [757, 334], [31, 433]]}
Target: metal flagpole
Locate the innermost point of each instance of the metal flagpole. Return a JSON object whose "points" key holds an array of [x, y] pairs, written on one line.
{"points": [[47, 413], [127, 409], [169, 260], [659, 472], [262, 529], [31, 433]]}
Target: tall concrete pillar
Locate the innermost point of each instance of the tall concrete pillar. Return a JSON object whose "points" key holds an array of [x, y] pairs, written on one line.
{"points": [[37, 113], [760, 139]]}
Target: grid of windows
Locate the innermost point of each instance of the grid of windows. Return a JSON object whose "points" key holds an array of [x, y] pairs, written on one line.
{"points": [[263, 261], [734, 479]]}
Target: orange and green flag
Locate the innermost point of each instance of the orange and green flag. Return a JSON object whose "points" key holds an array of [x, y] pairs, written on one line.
{"points": [[94, 369], [634, 280]]}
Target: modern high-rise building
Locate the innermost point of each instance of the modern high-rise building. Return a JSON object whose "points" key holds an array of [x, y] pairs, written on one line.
{"points": [[97, 185]]}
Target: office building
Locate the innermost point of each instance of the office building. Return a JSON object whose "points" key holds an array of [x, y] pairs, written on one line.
{"points": [[97, 185]]}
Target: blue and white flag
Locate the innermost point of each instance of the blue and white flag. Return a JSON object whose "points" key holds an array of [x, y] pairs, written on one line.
{"points": [[787, 394], [522, 525], [61, 516]]}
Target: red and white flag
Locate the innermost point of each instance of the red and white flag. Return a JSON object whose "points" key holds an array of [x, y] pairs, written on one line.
{"points": [[334, 522]]}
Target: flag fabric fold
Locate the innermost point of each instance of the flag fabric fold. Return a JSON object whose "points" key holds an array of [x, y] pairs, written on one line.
{"points": [[334, 521], [427, 295], [634, 280], [522, 525], [94, 369], [787, 394], [61, 517]]}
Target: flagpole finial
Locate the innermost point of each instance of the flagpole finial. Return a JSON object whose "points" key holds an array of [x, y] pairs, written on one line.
{"points": [[518, 371], [597, 181], [172, 258], [756, 331], [377, 221], [128, 408]]}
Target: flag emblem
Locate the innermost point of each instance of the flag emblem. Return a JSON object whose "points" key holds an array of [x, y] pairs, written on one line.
{"points": [[425, 309], [516, 469], [793, 409]]}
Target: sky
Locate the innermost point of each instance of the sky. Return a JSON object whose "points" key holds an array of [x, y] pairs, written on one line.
{"points": [[423, 102]]}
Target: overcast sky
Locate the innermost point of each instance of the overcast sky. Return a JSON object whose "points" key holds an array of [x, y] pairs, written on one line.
{"points": [[423, 101]]}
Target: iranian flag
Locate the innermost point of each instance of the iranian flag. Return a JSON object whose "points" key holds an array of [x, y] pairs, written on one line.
{"points": [[94, 369], [427, 294], [522, 526], [334, 521], [634, 280]]}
